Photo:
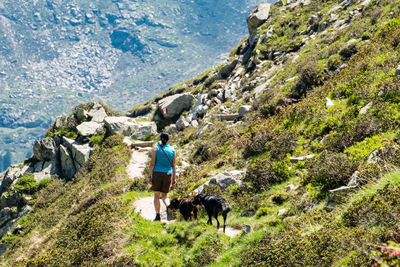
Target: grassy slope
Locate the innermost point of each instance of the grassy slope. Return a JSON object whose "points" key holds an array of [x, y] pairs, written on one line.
{"points": [[90, 220]]}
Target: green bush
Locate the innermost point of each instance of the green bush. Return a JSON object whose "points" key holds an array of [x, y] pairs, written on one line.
{"points": [[96, 140], [27, 184], [329, 170], [262, 173]]}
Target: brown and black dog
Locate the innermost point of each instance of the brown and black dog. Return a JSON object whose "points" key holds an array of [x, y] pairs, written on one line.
{"points": [[185, 206]]}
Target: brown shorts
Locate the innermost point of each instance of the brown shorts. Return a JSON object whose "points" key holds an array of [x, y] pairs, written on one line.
{"points": [[161, 182]]}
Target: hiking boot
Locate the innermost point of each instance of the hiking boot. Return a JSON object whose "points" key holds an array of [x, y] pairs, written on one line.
{"points": [[158, 218]]}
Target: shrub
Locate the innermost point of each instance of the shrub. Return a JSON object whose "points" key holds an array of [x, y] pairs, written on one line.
{"points": [[310, 76], [96, 140], [283, 142], [329, 170], [113, 141], [27, 184], [263, 172]]}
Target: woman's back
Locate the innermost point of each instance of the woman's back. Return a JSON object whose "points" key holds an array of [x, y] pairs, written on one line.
{"points": [[163, 164]]}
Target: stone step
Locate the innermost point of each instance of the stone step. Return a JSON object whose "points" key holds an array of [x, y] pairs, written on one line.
{"points": [[138, 144]]}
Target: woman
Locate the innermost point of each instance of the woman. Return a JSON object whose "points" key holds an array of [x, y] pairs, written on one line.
{"points": [[162, 170]]}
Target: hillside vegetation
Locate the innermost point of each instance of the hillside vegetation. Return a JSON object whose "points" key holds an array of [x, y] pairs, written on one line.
{"points": [[320, 146]]}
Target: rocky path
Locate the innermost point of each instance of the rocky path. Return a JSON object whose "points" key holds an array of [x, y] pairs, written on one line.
{"points": [[138, 162]]}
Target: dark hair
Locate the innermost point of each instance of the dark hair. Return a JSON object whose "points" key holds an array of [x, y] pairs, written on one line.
{"points": [[164, 137]]}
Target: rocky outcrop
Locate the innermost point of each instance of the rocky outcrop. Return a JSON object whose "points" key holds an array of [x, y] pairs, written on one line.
{"points": [[130, 127], [258, 16], [173, 106], [44, 149]]}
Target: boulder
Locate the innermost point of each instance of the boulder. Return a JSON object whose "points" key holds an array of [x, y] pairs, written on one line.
{"points": [[181, 124], [223, 180], [246, 228], [227, 117], [97, 113], [194, 123], [81, 114], [366, 108], [146, 128], [44, 149], [172, 129], [12, 174], [258, 16], [226, 70], [90, 128], [243, 110], [173, 106], [121, 125]]}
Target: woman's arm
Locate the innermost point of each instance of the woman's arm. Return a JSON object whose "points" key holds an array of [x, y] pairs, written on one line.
{"points": [[174, 170], [152, 163]]}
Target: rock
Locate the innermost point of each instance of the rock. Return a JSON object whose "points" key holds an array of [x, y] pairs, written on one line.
{"points": [[67, 165], [383, 155], [172, 106], [329, 103], [246, 228], [291, 187], [194, 123], [60, 122], [181, 124], [6, 215], [202, 129], [81, 114], [139, 144], [226, 70], [365, 3], [258, 16], [397, 72], [281, 212], [48, 169], [224, 180], [338, 196], [146, 128], [354, 179], [97, 113], [260, 89], [121, 125], [243, 110], [44, 149], [127, 141], [227, 117], [214, 92], [366, 108], [302, 158], [89, 128], [12, 173]]}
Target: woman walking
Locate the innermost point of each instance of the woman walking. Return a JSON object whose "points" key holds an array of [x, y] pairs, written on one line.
{"points": [[162, 172]]}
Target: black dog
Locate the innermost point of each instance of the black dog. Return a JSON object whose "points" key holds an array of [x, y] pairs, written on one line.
{"points": [[185, 206], [214, 206]]}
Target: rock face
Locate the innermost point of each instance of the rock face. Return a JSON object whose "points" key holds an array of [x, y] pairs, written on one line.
{"points": [[73, 156], [90, 128], [121, 125], [44, 149], [258, 16], [172, 106]]}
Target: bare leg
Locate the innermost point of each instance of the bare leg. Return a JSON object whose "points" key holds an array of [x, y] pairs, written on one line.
{"points": [[157, 201], [164, 198]]}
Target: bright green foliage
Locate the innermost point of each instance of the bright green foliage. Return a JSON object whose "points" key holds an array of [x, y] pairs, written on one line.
{"points": [[26, 184]]}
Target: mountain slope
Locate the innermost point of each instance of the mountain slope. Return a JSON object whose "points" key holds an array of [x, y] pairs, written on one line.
{"points": [[316, 87]]}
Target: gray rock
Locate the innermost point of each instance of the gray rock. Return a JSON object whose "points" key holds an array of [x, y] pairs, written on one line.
{"points": [[194, 123], [97, 113], [329, 103], [6, 215], [281, 212], [260, 89], [354, 179], [67, 164], [224, 180], [48, 169], [121, 125], [81, 114], [146, 128], [60, 122], [44, 149], [302, 158], [365, 3], [214, 92], [397, 72], [246, 228], [258, 16], [127, 141], [226, 70], [181, 124], [11, 174], [172, 129], [202, 129], [338, 196], [172, 106], [89, 128], [366, 108], [243, 110]]}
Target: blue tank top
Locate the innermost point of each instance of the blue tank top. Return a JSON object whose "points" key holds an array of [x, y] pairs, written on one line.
{"points": [[162, 162]]}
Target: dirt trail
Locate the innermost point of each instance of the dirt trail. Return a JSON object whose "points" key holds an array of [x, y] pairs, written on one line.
{"points": [[145, 206]]}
